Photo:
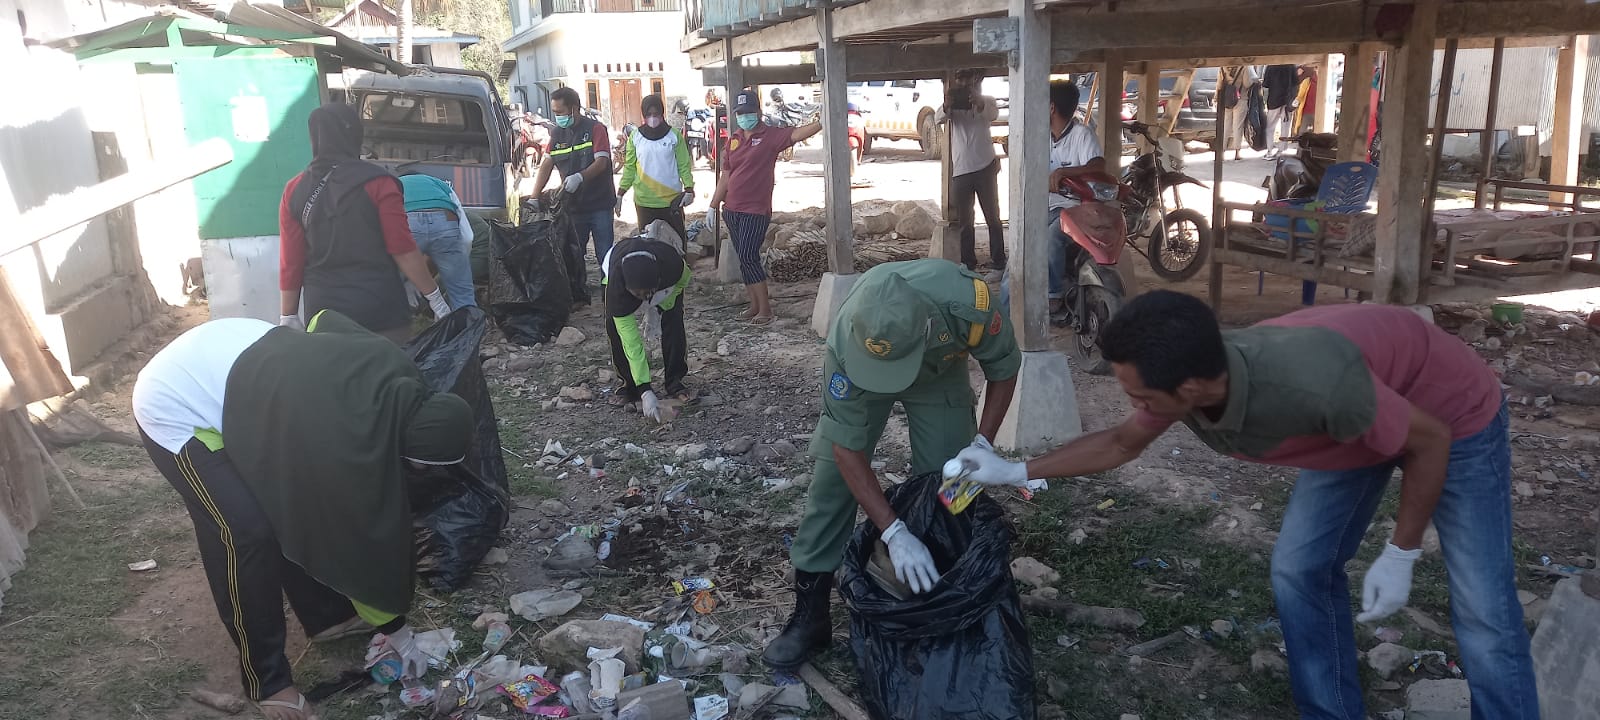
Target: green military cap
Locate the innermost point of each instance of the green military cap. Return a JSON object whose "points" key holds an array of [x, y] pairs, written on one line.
{"points": [[886, 325]]}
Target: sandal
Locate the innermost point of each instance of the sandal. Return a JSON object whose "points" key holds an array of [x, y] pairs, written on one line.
{"points": [[747, 314], [299, 708], [761, 320]]}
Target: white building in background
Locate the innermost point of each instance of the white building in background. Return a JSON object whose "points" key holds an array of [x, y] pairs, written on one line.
{"points": [[374, 23], [613, 52]]}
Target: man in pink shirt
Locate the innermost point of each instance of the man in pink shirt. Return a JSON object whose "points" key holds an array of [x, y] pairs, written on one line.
{"points": [[1347, 394]]}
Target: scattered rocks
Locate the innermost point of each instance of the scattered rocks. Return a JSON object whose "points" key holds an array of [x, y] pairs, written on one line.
{"points": [[570, 336], [1034, 573], [1387, 658], [918, 225], [1268, 662], [738, 446], [1473, 331], [1223, 628], [880, 223], [693, 451], [566, 648], [537, 605], [767, 452], [572, 553], [554, 507], [577, 393], [1045, 593], [1438, 700], [520, 364]]}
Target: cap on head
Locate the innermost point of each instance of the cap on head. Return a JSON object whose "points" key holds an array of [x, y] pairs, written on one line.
{"points": [[746, 102], [887, 331], [439, 431]]}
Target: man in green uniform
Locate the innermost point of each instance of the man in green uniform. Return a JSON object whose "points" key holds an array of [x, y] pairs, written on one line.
{"points": [[903, 335]]}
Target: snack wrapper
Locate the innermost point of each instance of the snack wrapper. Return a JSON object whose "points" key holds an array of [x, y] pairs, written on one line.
{"points": [[529, 692]]}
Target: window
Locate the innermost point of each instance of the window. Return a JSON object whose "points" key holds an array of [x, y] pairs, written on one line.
{"points": [[655, 86], [592, 93], [905, 84]]}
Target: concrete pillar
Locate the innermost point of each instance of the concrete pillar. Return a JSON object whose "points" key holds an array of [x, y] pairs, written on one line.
{"points": [[1150, 100], [841, 275], [1572, 69], [1403, 177], [1044, 410], [1356, 106], [727, 259], [1328, 94], [1111, 85]]}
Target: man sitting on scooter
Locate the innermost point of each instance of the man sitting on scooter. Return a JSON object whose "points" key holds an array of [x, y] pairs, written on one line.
{"points": [[1074, 150]]}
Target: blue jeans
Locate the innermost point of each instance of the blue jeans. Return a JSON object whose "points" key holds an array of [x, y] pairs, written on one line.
{"points": [[1059, 242], [439, 237], [595, 224], [1328, 515]]}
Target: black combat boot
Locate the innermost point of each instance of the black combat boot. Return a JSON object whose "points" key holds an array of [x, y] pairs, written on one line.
{"points": [[810, 629]]}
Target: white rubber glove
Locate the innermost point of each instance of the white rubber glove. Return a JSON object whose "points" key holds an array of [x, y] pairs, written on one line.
{"points": [[687, 198], [989, 468], [912, 562], [413, 661], [1387, 586], [437, 304], [291, 321], [572, 182], [651, 405]]}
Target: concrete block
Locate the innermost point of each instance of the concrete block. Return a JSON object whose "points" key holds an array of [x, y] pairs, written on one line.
{"points": [[946, 242], [1438, 700], [831, 292], [1566, 653], [1044, 410], [728, 264], [93, 321]]}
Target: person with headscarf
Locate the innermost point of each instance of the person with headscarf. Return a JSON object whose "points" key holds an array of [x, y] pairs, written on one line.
{"points": [[290, 450], [657, 167], [641, 270], [343, 233]]}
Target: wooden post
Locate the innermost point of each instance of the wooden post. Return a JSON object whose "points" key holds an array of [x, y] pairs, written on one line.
{"points": [[1441, 120], [1150, 100], [1029, 175], [1356, 107], [1328, 94], [1219, 216], [1486, 144], [1179, 92], [1403, 176], [1572, 69], [1111, 85], [841, 275]]}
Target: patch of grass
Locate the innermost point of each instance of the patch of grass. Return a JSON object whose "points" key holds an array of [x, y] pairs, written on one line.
{"points": [[146, 688], [110, 456]]}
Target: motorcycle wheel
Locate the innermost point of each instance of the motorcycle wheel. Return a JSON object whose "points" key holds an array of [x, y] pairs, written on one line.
{"points": [[1099, 306], [1179, 247]]}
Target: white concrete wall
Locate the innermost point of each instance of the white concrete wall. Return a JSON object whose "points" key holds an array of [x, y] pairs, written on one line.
{"points": [[563, 45]]}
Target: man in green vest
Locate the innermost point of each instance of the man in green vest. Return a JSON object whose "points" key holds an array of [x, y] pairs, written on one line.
{"points": [[903, 335]]}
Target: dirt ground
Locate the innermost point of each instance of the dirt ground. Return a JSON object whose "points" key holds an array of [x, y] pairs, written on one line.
{"points": [[1184, 541]]}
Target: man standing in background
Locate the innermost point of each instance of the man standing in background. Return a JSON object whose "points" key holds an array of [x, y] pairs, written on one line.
{"points": [[974, 169], [1281, 84], [580, 149]]}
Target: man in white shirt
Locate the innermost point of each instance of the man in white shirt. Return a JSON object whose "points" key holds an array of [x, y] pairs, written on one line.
{"points": [[1074, 150], [974, 169]]}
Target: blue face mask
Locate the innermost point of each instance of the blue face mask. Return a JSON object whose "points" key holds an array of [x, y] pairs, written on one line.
{"points": [[564, 121], [747, 121]]}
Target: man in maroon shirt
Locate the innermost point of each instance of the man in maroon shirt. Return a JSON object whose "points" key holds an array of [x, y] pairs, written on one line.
{"points": [[1347, 394]]}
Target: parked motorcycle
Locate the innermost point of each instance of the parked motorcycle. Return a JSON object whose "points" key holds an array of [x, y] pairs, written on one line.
{"points": [[694, 132], [792, 114], [1177, 241], [1094, 290]]}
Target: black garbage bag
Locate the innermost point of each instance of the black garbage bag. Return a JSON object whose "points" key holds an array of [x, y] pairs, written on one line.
{"points": [[551, 209], [958, 651], [458, 510], [529, 295]]}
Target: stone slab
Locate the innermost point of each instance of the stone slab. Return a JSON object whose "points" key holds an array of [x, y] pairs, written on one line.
{"points": [[831, 292], [1044, 410]]}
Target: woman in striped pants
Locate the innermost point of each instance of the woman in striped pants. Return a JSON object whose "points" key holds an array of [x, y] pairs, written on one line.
{"points": [[744, 192]]}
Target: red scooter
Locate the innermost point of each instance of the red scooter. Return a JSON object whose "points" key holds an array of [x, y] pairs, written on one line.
{"points": [[1094, 290], [856, 130]]}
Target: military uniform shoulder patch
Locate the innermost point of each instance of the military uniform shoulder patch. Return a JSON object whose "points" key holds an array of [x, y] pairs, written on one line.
{"points": [[996, 324], [839, 386]]}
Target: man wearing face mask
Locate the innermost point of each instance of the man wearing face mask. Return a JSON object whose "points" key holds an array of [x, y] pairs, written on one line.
{"points": [[580, 149], [744, 192], [641, 270], [657, 167]]}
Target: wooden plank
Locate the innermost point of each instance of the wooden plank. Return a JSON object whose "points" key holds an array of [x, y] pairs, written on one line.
{"points": [[1150, 100], [1029, 173], [1356, 107], [1219, 211], [1329, 95], [836, 148], [1402, 178], [1288, 268], [1441, 120], [1111, 88], [841, 703], [1572, 69], [881, 15], [1486, 144], [1179, 92]]}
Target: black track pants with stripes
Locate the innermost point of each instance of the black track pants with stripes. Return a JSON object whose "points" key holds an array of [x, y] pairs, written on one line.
{"points": [[248, 574]]}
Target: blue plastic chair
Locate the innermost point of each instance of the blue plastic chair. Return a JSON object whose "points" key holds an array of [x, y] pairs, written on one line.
{"points": [[1345, 190]]}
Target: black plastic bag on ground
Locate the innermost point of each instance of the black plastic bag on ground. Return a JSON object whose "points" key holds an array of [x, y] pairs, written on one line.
{"points": [[550, 209], [458, 510], [958, 651], [529, 295]]}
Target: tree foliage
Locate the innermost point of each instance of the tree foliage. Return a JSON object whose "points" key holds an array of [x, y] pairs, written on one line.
{"points": [[488, 19]]}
